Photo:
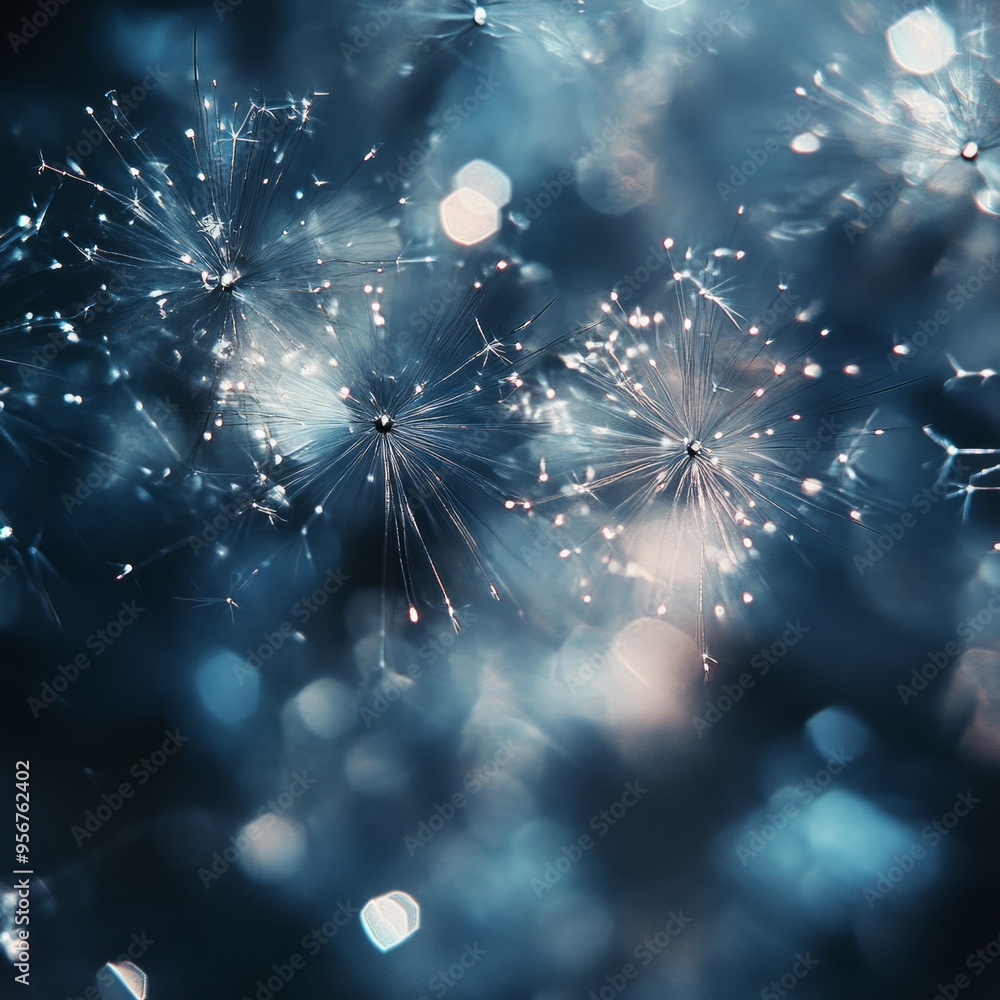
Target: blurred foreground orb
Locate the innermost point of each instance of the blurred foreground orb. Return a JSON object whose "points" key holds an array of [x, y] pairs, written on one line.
{"points": [[471, 213], [921, 42], [229, 689], [273, 847], [616, 180], [467, 217], [390, 919], [122, 981]]}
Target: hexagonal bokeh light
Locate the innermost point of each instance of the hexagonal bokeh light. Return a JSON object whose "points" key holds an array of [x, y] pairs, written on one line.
{"points": [[471, 213]]}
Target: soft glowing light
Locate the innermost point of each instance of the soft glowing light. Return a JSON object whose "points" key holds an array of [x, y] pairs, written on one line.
{"points": [[275, 847], [390, 919], [468, 217], [122, 981], [921, 42], [805, 143], [491, 182]]}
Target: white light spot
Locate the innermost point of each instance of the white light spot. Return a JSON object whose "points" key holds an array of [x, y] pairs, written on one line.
{"points": [[390, 919], [275, 847], [922, 42], [122, 981], [805, 143], [468, 217], [324, 708], [491, 182]]}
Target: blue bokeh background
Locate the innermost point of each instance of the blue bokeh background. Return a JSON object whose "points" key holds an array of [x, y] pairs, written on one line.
{"points": [[552, 710]]}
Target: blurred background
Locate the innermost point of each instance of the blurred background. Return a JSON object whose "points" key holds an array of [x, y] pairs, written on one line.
{"points": [[574, 811]]}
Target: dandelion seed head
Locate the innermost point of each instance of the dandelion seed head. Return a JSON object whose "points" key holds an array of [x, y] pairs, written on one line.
{"points": [[703, 363], [929, 113], [921, 42], [207, 239], [410, 439]]}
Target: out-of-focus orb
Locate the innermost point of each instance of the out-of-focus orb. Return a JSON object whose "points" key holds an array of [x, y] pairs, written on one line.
{"points": [[324, 708], [838, 730], [660, 657], [974, 696], [390, 919], [491, 182], [122, 981], [468, 217], [615, 181], [273, 847], [805, 143], [921, 42], [229, 688], [664, 4]]}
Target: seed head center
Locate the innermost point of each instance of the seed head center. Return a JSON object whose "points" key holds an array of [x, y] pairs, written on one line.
{"points": [[384, 423]]}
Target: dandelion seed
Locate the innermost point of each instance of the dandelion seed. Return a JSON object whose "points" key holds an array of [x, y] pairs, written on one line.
{"points": [[691, 416], [555, 27], [214, 262], [227, 601], [933, 117], [418, 431], [980, 481]]}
